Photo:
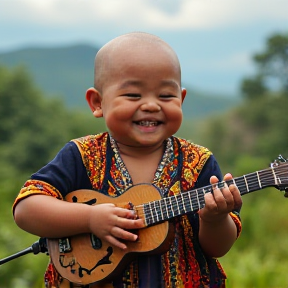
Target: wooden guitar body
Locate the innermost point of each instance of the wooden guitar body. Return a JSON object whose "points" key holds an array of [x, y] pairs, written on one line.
{"points": [[85, 259]]}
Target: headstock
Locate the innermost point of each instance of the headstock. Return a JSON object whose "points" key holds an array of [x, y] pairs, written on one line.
{"points": [[280, 166]]}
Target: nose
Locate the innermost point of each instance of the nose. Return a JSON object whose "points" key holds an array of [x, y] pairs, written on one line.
{"points": [[150, 106]]}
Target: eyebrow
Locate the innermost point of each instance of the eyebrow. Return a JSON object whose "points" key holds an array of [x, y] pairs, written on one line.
{"points": [[139, 83]]}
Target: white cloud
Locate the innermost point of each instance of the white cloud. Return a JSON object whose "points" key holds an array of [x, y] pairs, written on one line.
{"points": [[213, 38], [183, 14]]}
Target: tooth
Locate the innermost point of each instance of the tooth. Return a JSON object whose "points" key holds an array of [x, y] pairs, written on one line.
{"points": [[148, 123]]}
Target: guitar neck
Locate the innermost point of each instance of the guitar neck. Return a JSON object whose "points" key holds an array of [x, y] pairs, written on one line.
{"points": [[185, 202]]}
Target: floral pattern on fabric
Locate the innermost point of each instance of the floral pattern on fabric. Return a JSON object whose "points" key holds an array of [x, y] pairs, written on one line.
{"points": [[32, 187], [52, 278], [184, 265]]}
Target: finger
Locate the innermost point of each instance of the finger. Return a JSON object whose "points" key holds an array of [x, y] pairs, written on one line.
{"points": [[129, 224], [223, 197], [125, 213], [214, 180], [222, 194], [210, 203], [123, 234], [228, 176], [228, 196], [236, 196], [112, 240], [234, 191]]}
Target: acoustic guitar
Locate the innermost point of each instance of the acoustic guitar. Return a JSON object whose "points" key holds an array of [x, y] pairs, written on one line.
{"points": [[85, 259]]}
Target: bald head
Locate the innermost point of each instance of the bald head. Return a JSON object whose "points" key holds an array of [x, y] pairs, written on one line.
{"points": [[125, 44]]}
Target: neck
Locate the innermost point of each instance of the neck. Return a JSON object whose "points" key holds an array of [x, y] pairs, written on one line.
{"points": [[139, 151]]}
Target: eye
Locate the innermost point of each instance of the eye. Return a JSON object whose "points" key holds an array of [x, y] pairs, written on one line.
{"points": [[132, 95], [167, 96]]}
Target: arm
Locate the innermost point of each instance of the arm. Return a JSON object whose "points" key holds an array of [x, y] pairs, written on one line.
{"points": [[49, 217], [38, 213], [218, 232]]}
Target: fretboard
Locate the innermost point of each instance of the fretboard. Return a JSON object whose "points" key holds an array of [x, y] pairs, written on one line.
{"points": [[185, 202]]}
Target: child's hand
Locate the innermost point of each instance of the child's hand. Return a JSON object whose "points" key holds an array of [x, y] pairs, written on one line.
{"points": [[222, 201], [111, 223]]}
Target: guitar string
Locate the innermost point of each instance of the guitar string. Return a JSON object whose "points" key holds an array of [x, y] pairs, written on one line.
{"points": [[264, 175], [193, 196]]}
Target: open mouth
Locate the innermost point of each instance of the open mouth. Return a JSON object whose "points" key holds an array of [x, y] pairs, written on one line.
{"points": [[148, 123]]}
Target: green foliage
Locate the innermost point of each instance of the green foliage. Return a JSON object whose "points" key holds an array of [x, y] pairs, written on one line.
{"points": [[272, 69], [253, 87], [273, 62], [245, 139], [256, 129], [32, 130], [259, 257]]}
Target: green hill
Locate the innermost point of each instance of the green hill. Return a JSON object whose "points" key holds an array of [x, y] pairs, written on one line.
{"points": [[67, 72]]}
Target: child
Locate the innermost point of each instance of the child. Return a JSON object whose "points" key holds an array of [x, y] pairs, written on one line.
{"points": [[137, 89]]}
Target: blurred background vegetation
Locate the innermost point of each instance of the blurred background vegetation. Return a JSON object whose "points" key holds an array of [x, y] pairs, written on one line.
{"points": [[245, 134]]}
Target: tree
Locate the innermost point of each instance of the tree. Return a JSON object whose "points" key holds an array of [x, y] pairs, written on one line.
{"points": [[32, 129], [253, 88], [272, 69]]}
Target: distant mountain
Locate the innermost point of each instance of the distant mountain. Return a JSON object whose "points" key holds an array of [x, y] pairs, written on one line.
{"points": [[67, 72]]}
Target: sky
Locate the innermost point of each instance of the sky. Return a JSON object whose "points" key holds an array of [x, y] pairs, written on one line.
{"points": [[214, 39]]}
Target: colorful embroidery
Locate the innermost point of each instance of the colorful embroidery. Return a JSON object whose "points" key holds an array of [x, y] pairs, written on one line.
{"points": [[36, 187], [52, 278], [184, 265], [93, 151]]}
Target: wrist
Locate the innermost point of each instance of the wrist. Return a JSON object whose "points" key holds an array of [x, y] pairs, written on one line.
{"points": [[214, 219]]}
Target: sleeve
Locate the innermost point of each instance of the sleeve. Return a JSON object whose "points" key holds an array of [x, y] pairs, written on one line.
{"points": [[64, 174], [211, 168]]}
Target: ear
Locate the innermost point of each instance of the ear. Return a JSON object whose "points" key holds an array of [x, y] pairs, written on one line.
{"points": [[94, 101], [183, 93]]}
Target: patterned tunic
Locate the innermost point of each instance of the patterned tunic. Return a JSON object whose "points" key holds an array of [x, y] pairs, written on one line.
{"points": [[94, 162]]}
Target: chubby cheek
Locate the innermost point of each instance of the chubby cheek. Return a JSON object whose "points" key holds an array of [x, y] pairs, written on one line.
{"points": [[175, 117], [116, 118]]}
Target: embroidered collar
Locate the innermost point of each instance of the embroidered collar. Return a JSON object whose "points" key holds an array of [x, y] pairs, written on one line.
{"points": [[167, 157]]}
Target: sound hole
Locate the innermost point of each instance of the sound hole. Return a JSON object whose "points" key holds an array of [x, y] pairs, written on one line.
{"points": [[96, 242]]}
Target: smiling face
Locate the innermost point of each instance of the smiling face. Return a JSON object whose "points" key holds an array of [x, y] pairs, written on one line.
{"points": [[140, 94]]}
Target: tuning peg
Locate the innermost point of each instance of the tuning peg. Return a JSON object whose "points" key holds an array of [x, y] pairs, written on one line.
{"points": [[281, 158]]}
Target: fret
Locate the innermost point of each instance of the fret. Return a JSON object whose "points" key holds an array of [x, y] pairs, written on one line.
{"points": [[201, 199], [259, 182], [253, 179], [189, 201], [177, 205], [180, 203], [198, 201], [158, 211], [274, 175], [183, 203], [173, 206], [165, 208], [148, 213], [170, 211], [247, 187], [152, 207]]}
